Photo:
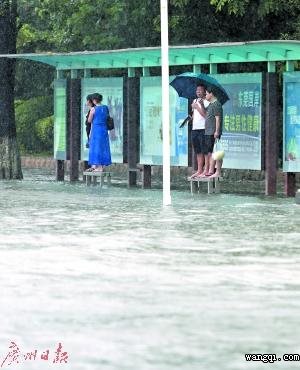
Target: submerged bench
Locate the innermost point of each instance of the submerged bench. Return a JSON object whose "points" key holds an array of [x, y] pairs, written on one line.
{"points": [[213, 184], [92, 177]]}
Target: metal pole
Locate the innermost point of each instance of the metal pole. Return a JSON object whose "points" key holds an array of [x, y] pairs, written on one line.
{"points": [[165, 100]]}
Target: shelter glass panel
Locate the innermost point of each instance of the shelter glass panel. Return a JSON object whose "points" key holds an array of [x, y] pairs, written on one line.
{"points": [[112, 91], [291, 122], [151, 124], [242, 120], [60, 119]]}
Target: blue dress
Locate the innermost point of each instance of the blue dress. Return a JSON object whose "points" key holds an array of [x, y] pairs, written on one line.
{"points": [[99, 153]]}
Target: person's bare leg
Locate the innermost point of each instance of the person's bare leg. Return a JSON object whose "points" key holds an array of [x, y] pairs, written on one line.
{"points": [[218, 165], [200, 163], [98, 168], [206, 165]]}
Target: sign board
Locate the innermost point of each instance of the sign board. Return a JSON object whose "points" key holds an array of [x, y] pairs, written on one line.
{"points": [[242, 120], [291, 122]]}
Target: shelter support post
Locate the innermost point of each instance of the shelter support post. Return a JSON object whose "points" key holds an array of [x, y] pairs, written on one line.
{"points": [[271, 133], [87, 73], [146, 71], [60, 170], [290, 177], [133, 127], [60, 164], [74, 101], [59, 74], [146, 174], [192, 161], [271, 66], [213, 68], [196, 68], [290, 184], [192, 158]]}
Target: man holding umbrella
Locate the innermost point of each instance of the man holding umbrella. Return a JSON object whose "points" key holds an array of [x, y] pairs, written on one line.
{"points": [[185, 84], [198, 130]]}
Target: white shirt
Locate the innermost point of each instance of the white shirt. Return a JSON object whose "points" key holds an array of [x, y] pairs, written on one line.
{"points": [[198, 119]]}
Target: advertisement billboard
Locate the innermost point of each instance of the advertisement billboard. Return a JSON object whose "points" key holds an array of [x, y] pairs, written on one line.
{"points": [[60, 119], [151, 124], [291, 122], [242, 120], [112, 91]]}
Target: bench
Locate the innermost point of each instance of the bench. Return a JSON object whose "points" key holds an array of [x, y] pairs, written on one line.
{"points": [[213, 184], [92, 177]]}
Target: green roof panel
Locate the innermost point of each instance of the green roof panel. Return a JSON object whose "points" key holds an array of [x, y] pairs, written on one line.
{"points": [[238, 52]]}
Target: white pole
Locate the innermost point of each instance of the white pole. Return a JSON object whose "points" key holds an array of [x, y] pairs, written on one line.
{"points": [[165, 100]]}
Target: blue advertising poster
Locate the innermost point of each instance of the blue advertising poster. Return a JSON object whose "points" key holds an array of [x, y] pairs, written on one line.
{"points": [[241, 138], [151, 124], [291, 122], [112, 91]]}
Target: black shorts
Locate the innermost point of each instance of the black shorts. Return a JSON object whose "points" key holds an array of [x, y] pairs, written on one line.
{"points": [[198, 140], [209, 144]]}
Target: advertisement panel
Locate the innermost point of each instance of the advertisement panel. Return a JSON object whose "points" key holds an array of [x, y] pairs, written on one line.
{"points": [[60, 119], [151, 124], [291, 122], [112, 91], [242, 120]]}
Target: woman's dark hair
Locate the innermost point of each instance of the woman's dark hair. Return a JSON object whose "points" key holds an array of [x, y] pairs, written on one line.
{"points": [[90, 98], [210, 89], [97, 97], [202, 85]]}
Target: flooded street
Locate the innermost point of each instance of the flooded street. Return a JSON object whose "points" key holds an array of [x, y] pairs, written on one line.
{"points": [[125, 284]]}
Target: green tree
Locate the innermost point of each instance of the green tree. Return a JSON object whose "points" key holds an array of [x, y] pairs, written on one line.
{"points": [[10, 164]]}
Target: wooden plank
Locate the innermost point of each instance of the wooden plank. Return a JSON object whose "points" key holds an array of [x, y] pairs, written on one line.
{"points": [[205, 179], [96, 174]]}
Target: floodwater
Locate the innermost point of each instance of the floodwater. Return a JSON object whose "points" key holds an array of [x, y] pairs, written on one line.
{"points": [[125, 284]]}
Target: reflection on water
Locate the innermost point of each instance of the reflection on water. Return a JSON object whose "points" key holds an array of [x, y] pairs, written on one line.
{"points": [[123, 283]]}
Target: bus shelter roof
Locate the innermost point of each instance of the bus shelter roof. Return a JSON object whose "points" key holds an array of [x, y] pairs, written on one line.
{"points": [[228, 52]]}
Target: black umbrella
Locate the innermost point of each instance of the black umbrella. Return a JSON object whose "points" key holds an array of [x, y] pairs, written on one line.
{"points": [[186, 84]]}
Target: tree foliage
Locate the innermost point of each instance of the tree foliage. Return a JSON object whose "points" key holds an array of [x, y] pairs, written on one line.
{"points": [[58, 26], [10, 165]]}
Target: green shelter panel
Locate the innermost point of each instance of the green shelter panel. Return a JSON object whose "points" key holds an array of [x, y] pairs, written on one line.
{"points": [[60, 119], [291, 122], [151, 141], [242, 121], [237, 52], [112, 91]]}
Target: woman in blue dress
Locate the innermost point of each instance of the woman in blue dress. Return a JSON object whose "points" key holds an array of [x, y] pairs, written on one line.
{"points": [[99, 153]]}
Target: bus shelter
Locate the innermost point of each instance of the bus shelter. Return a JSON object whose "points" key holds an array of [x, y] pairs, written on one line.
{"points": [[133, 93]]}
